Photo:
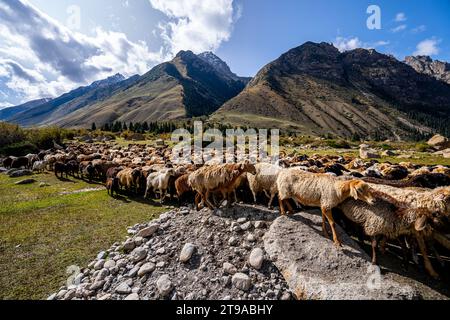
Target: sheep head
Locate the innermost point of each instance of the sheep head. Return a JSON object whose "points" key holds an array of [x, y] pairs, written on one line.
{"points": [[360, 190], [247, 166]]}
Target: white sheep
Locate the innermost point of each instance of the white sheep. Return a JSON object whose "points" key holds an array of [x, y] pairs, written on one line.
{"points": [[265, 180], [39, 166], [159, 181]]}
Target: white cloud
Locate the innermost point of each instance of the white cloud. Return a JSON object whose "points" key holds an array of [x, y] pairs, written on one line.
{"points": [[197, 25], [42, 57], [399, 28], [400, 17], [4, 105], [419, 29], [427, 47], [345, 44], [351, 43]]}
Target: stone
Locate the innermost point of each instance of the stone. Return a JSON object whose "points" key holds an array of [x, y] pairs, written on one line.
{"points": [[241, 281], [101, 255], [109, 264], [105, 297], [246, 226], [233, 241], [187, 252], [439, 142], [132, 297], [99, 264], [129, 245], [256, 258], [147, 268], [138, 254], [260, 224], [164, 285], [251, 237], [123, 288], [315, 269], [25, 181], [20, 173], [241, 220], [229, 268], [149, 231], [366, 153]]}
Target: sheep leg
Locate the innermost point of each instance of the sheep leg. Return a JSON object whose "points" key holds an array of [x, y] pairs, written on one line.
{"points": [[207, 202], [330, 219], [291, 209], [271, 200], [163, 195], [374, 249], [405, 252], [198, 196], [282, 209], [426, 259], [235, 196], [324, 226], [254, 196], [383, 245]]}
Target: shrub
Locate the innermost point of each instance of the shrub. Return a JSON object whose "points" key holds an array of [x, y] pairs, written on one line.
{"points": [[338, 144]]}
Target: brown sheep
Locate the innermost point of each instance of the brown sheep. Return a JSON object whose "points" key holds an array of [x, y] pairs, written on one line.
{"points": [[390, 219], [130, 179], [217, 178], [319, 190], [182, 186]]}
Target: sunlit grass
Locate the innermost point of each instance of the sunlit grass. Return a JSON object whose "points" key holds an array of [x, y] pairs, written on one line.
{"points": [[43, 231]]}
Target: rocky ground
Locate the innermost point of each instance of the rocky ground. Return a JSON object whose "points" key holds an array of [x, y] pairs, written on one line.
{"points": [[186, 255], [246, 252]]}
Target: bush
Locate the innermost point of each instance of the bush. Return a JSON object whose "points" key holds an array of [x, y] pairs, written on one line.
{"points": [[19, 149], [338, 144], [11, 134]]}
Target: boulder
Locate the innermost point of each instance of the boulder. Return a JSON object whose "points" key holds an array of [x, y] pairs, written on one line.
{"points": [[20, 173], [366, 153], [25, 181], [315, 269], [438, 142]]}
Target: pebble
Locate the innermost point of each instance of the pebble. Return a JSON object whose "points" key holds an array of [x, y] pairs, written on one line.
{"points": [[99, 264], [256, 258], [164, 285], [109, 264], [146, 269], [229, 268], [132, 297], [138, 254], [187, 252], [233, 241], [123, 288], [241, 281], [149, 231]]}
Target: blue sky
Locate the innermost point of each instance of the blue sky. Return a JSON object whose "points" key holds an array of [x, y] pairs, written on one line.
{"points": [[49, 47]]}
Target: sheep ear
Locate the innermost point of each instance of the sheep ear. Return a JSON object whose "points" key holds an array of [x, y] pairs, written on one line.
{"points": [[421, 223], [353, 190]]}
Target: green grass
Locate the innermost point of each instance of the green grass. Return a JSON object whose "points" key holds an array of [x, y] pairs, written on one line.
{"points": [[42, 231]]}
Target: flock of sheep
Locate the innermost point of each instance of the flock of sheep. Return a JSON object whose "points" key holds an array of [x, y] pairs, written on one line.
{"points": [[405, 203]]}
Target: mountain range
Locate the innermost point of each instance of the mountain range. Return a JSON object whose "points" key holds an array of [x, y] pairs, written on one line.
{"points": [[312, 89]]}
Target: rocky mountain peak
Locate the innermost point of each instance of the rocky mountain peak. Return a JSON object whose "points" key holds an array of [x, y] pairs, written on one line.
{"points": [[426, 65]]}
